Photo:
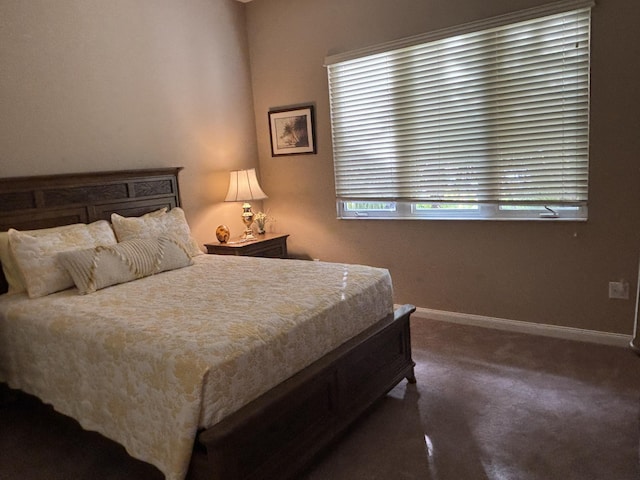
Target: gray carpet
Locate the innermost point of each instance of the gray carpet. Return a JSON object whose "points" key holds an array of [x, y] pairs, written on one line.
{"points": [[488, 405], [501, 406]]}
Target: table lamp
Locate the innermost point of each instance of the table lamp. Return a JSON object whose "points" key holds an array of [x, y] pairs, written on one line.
{"points": [[244, 187]]}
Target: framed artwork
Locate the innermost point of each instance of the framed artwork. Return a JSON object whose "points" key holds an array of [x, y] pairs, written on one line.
{"points": [[292, 131]]}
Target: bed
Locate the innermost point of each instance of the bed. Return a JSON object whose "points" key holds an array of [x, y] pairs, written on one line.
{"points": [[271, 426]]}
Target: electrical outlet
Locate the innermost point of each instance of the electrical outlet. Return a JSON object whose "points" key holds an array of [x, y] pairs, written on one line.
{"points": [[619, 290]]}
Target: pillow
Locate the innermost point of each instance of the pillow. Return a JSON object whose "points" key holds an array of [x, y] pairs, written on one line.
{"points": [[172, 223], [31, 258], [9, 265], [155, 213], [100, 267]]}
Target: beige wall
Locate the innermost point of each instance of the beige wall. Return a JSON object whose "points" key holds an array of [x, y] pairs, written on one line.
{"points": [[118, 84], [553, 273], [100, 85]]}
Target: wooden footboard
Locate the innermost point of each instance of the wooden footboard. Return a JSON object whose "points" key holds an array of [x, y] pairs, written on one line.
{"points": [[279, 434]]}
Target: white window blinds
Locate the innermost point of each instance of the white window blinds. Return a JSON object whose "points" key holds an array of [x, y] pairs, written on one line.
{"points": [[497, 115]]}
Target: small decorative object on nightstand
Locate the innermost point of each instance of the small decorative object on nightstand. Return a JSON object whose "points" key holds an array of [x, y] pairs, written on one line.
{"points": [[261, 219], [272, 245], [223, 234]]}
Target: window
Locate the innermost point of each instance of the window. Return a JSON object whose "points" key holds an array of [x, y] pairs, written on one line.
{"points": [[487, 121]]}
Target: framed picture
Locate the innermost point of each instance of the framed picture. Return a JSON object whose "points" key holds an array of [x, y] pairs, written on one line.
{"points": [[292, 131]]}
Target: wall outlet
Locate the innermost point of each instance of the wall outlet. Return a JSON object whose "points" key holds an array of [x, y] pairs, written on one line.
{"points": [[619, 290]]}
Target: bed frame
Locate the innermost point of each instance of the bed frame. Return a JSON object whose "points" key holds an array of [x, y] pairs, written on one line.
{"points": [[280, 433]]}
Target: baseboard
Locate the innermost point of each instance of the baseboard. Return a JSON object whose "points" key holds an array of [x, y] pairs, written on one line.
{"points": [[568, 333]]}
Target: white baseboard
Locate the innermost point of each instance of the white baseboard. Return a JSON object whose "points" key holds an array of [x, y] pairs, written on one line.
{"points": [[569, 333]]}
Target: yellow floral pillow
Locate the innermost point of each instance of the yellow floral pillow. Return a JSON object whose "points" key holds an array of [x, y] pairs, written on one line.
{"points": [[34, 254], [9, 265], [172, 223]]}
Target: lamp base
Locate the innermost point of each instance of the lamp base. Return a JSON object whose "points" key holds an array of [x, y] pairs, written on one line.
{"points": [[247, 219], [248, 235]]}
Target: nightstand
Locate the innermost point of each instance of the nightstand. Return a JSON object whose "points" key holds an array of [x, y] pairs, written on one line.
{"points": [[272, 245]]}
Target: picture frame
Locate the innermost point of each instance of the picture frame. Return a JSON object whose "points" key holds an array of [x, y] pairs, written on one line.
{"points": [[292, 131]]}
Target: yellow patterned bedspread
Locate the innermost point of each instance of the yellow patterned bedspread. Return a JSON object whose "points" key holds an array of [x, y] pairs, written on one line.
{"points": [[148, 362]]}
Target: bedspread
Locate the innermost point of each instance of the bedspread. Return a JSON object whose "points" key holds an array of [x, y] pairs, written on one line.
{"points": [[148, 362]]}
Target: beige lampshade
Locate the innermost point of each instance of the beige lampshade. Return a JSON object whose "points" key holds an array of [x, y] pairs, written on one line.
{"points": [[244, 186]]}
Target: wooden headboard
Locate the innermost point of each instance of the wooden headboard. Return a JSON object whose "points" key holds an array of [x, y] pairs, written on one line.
{"points": [[28, 203]]}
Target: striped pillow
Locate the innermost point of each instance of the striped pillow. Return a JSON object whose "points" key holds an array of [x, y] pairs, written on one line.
{"points": [[100, 267]]}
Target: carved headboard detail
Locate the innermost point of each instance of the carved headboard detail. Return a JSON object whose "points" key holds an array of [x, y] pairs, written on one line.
{"points": [[28, 203]]}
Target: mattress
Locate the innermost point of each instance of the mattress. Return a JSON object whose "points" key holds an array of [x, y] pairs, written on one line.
{"points": [[149, 362]]}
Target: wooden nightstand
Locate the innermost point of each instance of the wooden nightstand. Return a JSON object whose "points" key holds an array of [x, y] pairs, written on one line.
{"points": [[272, 245]]}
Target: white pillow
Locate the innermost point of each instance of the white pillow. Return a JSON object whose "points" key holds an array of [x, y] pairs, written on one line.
{"points": [[9, 265], [100, 267], [172, 223], [33, 254]]}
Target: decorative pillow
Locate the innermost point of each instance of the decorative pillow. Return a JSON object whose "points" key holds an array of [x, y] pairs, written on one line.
{"points": [[9, 265], [172, 223], [28, 257], [100, 267], [155, 213]]}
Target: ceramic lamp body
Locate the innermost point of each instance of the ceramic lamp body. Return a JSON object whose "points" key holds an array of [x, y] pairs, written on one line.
{"points": [[247, 219]]}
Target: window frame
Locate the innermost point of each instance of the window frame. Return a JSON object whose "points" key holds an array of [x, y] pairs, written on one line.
{"points": [[484, 211]]}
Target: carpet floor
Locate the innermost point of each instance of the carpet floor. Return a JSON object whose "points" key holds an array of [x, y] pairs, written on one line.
{"points": [[488, 405]]}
